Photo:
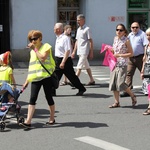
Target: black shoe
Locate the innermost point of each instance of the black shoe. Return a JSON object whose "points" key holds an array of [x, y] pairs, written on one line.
{"points": [[80, 93], [50, 123], [124, 94], [25, 125]]}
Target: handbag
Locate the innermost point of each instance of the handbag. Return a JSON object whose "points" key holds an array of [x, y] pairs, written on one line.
{"points": [[54, 77], [146, 72]]}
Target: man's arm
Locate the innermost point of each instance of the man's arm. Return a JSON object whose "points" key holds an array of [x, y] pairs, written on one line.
{"points": [[91, 49], [74, 50], [66, 55]]}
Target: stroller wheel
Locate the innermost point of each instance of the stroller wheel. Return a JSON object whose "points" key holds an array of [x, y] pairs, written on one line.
{"points": [[2, 125], [21, 120]]}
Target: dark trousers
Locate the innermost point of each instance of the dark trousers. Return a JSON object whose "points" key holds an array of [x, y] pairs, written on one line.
{"points": [[35, 88], [69, 72], [134, 62]]}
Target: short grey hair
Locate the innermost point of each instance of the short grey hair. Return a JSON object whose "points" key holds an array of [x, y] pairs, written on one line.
{"points": [[59, 25], [81, 16], [148, 30]]}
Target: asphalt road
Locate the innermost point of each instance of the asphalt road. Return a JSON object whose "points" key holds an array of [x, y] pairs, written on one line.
{"points": [[82, 122]]}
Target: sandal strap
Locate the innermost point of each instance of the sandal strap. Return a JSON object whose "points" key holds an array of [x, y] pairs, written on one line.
{"points": [[114, 105], [147, 112], [134, 101]]}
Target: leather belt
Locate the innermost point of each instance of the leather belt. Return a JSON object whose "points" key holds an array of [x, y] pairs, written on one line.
{"points": [[137, 56]]}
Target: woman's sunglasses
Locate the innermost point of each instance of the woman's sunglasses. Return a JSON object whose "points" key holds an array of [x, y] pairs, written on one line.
{"points": [[34, 39], [119, 30]]}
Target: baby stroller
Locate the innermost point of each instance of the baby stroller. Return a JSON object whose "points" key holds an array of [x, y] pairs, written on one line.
{"points": [[9, 107]]}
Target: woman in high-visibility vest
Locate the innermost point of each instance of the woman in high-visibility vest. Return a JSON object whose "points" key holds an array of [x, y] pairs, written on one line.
{"points": [[6, 69], [38, 76]]}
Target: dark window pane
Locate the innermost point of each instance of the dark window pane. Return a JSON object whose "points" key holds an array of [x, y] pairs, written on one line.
{"points": [[68, 3], [141, 18], [138, 3]]}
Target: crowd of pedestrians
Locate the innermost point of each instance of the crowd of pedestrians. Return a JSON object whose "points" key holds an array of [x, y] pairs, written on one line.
{"points": [[130, 50]]}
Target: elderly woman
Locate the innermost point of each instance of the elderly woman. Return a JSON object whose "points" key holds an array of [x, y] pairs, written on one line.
{"points": [[38, 76]]}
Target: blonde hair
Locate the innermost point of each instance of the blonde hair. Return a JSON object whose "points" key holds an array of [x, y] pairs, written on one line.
{"points": [[148, 30]]}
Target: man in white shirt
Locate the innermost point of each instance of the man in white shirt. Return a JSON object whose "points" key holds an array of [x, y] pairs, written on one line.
{"points": [[64, 64], [84, 47]]}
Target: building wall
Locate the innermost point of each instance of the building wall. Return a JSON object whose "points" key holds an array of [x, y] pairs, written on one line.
{"points": [[42, 15], [27, 15], [103, 19]]}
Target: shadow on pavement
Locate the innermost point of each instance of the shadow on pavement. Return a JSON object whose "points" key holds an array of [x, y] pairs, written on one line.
{"points": [[78, 125]]}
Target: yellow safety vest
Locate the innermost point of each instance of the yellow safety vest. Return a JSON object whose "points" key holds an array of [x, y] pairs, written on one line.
{"points": [[36, 72], [5, 72]]}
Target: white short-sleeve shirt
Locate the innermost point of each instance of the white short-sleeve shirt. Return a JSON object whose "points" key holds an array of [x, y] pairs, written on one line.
{"points": [[82, 37], [62, 45]]}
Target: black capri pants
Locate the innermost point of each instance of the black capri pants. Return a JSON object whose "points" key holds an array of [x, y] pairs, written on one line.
{"points": [[35, 88]]}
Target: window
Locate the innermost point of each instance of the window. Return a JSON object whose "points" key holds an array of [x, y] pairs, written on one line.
{"points": [[138, 10], [67, 13], [138, 3], [68, 3], [140, 17]]}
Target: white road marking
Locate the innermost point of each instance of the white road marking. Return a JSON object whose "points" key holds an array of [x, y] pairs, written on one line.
{"points": [[100, 143], [96, 75], [137, 86], [100, 73], [102, 76], [101, 79]]}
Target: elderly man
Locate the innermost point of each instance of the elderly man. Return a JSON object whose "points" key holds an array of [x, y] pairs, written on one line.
{"points": [[64, 64]]}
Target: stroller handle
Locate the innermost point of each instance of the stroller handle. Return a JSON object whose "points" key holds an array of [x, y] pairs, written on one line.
{"points": [[17, 84], [23, 88]]}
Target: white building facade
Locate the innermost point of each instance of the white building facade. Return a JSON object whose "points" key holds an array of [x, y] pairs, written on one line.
{"points": [[102, 16]]}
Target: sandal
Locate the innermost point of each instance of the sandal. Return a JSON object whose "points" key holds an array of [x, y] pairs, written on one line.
{"points": [[115, 105], [147, 112], [134, 101], [63, 83]]}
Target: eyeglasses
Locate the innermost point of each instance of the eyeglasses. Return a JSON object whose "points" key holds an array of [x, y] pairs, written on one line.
{"points": [[134, 27], [119, 30], [34, 39], [148, 34]]}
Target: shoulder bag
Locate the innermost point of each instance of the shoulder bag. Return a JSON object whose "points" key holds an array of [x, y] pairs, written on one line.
{"points": [[55, 80]]}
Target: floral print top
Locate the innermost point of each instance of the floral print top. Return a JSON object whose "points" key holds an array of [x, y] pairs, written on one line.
{"points": [[120, 47], [148, 55]]}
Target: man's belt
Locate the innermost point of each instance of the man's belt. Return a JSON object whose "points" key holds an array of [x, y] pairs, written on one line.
{"points": [[138, 56]]}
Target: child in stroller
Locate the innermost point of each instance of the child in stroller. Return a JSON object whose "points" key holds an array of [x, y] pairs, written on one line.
{"points": [[9, 107]]}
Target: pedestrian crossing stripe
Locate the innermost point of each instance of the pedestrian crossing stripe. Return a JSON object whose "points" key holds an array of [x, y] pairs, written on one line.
{"points": [[100, 143]]}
